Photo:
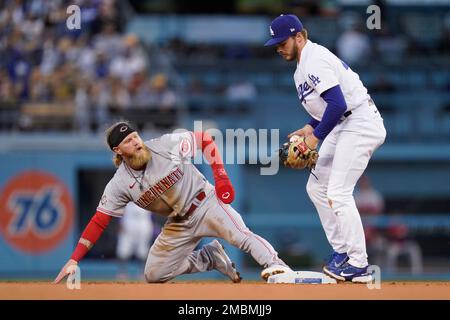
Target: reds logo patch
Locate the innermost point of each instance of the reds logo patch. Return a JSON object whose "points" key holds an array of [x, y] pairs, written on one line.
{"points": [[185, 147]]}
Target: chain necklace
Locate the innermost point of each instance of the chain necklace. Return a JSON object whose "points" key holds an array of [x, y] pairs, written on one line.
{"points": [[141, 185]]}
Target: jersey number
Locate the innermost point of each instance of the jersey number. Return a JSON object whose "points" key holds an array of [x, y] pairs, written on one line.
{"points": [[38, 210]]}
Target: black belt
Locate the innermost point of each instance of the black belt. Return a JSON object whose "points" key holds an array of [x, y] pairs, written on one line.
{"points": [[349, 112]]}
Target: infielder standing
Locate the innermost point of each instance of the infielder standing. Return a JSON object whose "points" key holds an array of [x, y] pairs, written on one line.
{"points": [[346, 119], [158, 176]]}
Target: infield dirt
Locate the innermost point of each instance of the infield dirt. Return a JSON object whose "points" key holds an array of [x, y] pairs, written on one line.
{"points": [[215, 290]]}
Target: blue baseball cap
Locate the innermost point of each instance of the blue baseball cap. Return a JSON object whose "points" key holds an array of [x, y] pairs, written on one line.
{"points": [[283, 27]]}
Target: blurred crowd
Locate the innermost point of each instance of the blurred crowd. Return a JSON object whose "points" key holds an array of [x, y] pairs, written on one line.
{"points": [[52, 77], [82, 77], [409, 52], [387, 244]]}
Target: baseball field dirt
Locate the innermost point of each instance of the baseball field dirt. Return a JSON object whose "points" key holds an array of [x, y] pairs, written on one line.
{"points": [[215, 290]]}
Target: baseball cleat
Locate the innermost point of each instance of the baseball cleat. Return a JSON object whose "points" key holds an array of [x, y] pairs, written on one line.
{"points": [[347, 272], [336, 260], [274, 269], [222, 262]]}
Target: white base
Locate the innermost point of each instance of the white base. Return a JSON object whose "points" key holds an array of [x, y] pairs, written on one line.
{"points": [[301, 277]]}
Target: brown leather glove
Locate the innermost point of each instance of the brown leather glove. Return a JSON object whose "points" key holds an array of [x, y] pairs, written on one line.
{"points": [[297, 155]]}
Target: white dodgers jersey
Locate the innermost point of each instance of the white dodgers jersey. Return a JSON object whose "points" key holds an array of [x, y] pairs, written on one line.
{"points": [[319, 70]]}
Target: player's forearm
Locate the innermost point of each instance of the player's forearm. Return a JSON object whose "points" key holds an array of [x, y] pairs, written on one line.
{"points": [[313, 123], [209, 148], [335, 109], [90, 235], [224, 188]]}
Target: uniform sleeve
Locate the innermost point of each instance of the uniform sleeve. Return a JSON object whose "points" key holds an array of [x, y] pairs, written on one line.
{"points": [[180, 145], [321, 74], [113, 201]]}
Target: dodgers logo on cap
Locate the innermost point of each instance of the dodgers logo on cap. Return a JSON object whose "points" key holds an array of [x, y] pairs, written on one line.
{"points": [[283, 27]]}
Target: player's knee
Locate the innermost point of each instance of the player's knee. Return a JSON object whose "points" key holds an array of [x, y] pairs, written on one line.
{"points": [[154, 275], [337, 198], [242, 240], [312, 188], [239, 241]]}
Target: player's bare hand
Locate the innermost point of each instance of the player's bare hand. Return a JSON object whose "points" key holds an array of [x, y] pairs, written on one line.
{"points": [[305, 131], [66, 270], [311, 141]]}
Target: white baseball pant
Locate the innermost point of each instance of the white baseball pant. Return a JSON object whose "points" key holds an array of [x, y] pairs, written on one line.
{"points": [[343, 157]]}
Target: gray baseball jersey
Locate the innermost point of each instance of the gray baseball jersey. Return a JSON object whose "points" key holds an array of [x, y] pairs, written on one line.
{"points": [[170, 184], [167, 186]]}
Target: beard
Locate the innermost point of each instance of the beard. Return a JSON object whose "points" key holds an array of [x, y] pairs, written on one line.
{"points": [[293, 55], [138, 160]]}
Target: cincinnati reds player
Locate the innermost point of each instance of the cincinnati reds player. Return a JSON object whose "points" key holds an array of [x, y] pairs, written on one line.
{"points": [[344, 116], [158, 176]]}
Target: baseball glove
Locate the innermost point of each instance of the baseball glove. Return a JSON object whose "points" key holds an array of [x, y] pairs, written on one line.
{"points": [[297, 155]]}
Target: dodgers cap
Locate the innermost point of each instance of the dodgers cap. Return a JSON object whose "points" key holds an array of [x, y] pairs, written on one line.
{"points": [[284, 27]]}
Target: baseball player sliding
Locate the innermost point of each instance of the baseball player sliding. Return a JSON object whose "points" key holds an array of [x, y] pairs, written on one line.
{"points": [[158, 176], [346, 120]]}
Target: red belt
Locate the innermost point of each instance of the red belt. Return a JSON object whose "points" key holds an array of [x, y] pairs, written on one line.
{"points": [[195, 205]]}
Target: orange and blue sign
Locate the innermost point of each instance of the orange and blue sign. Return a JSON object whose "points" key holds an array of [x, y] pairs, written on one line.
{"points": [[36, 212]]}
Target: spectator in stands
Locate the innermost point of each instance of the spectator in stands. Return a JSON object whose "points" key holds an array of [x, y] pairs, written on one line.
{"points": [[86, 57], [303, 8], [130, 61], [241, 91], [382, 85], [444, 43], [82, 106], [32, 28], [45, 62], [135, 236], [39, 86], [99, 99], [108, 41], [7, 92], [370, 202], [119, 98], [139, 88], [385, 245], [19, 71], [400, 243], [162, 96], [62, 83], [353, 46], [101, 65], [390, 46]]}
